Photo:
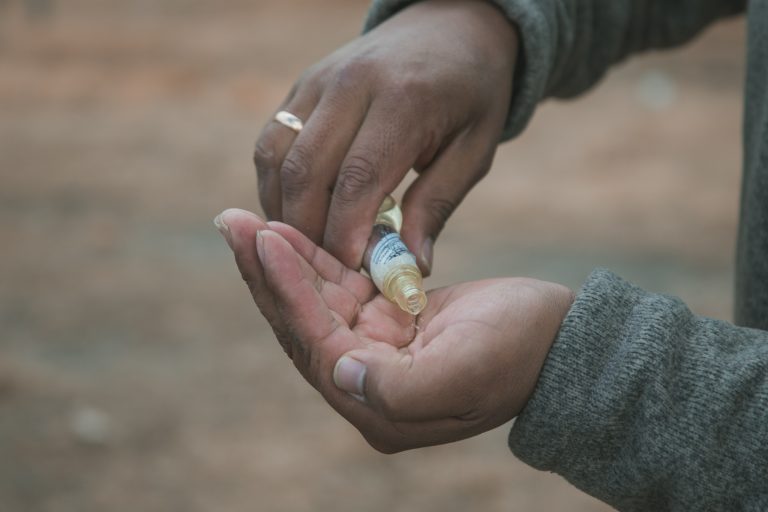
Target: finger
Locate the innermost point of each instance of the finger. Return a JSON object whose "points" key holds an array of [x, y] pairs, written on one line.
{"points": [[434, 195], [310, 167], [340, 301], [316, 332], [239, 228], [346, 291], [318, 338], [380, 156], [329, 268], [273, 144]]}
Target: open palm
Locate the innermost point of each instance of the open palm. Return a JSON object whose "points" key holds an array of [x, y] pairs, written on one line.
{"points": [[468, 363]]}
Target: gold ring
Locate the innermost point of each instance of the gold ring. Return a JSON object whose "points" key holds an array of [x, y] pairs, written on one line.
{"points": [[289, 120]]}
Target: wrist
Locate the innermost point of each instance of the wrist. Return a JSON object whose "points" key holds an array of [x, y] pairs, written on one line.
{"points": [[546, 315], [484, 17]]}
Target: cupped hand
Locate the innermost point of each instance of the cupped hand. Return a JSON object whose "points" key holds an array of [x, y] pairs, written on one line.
{"points": [[467, 364], [428, 89]]}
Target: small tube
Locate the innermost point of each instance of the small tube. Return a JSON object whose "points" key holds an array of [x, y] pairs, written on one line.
{"points": [[391, 265]]}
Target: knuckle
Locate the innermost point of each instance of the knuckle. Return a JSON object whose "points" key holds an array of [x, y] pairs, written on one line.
{"points": [[383, 444], [357, 176], [310, 83], [385, 448], [295, 173], [440, 210], [412, 88], [483, 169], [309, 80], [412, 93], [264, 158], [352, 71]]}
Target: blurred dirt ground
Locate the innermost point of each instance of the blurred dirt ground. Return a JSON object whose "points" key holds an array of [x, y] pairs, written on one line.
{"points": [[134, 372]]}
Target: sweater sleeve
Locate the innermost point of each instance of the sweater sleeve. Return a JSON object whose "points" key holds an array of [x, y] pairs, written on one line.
{"points": [[646, 406], [568, 45]]}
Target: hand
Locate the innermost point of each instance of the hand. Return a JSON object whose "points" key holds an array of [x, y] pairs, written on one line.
{"points": [[428, 89], [467, 364]]}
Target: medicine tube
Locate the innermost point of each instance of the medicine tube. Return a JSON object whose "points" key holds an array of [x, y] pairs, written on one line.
{"points": [[389, 262]]}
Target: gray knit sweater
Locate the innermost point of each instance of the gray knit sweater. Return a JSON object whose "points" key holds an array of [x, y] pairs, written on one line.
{"points": [[640, 402]]}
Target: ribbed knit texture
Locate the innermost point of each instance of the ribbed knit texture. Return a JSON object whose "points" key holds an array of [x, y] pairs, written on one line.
{"points": [[649, 407]]}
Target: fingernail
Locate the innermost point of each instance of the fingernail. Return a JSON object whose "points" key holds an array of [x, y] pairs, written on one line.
{"points": [[349, 376], [426, 255], [260, 246], [223, 228]]}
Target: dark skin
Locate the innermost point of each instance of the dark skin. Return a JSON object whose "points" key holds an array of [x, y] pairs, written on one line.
{"points": [[429, 90]]}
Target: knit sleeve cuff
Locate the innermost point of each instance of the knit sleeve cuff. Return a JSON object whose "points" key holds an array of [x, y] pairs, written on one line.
{"points": [[567, 413]]}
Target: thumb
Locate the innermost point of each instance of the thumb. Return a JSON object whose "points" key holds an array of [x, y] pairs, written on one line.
{"points": [[400, 386], [435, 194]]}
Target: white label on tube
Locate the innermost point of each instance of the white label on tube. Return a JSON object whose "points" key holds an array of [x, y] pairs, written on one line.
{"points": [[389, 253]]}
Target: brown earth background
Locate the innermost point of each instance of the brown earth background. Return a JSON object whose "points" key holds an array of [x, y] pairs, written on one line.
{"points": [[135, 374]]}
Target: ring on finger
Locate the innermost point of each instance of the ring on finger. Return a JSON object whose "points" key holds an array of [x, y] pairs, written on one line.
{"points": [[289, 120]]}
